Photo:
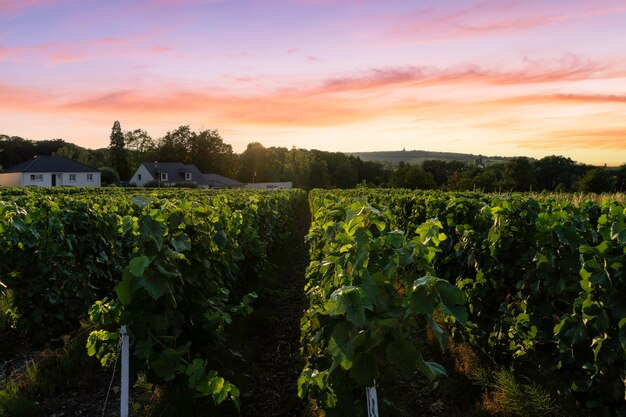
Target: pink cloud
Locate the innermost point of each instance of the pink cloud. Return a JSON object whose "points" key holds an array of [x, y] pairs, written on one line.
{"points": [[308, 57], [56, 53], [14, 6], [18, 98], [567, 69], [438, 23]]}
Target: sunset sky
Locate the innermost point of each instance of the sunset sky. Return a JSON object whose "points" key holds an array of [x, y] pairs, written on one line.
{"points": [[495, 77]]}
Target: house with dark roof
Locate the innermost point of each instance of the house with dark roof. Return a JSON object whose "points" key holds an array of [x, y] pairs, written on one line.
{"points": [[50, 171], [168, 174], [219, 181], [171, 174]]}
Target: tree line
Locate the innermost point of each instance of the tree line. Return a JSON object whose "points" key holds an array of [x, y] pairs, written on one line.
{"points": [[309, 169]]}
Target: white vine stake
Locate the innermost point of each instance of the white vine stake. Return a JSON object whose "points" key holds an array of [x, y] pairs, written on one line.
{"points": [[124, 372], [372, 401]]}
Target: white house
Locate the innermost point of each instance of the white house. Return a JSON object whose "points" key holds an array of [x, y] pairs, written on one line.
{"points": [[50, 171], [168, 174]]}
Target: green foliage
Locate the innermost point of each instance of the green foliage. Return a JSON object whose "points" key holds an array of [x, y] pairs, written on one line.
{"points": [[169, 264], [109, 176], [15, 403], [412, 176], [596, 180], [507, 396], [52, 372], [117, 152], [58, 255], [369, 287], [544, 279]]}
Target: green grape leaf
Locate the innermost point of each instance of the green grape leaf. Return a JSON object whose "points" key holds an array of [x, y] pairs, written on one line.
{"points": [[138, 265], [403, 354], [453, 301], [165, 365], [364, 369], [340, 346]]}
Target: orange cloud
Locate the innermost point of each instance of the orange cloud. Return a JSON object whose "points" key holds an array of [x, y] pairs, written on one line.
{"points": [[608, 139], [556, 99], [279, 108]]}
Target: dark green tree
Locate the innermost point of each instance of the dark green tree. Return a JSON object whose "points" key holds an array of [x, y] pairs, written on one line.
{"points": [[109, 176], [412, 176], [555, 172], [297, 167], [518, 175], [342, 173], [477, 179], [117, 152], [210, 154], [175, 146], [370, 172], [255, 164], [620, 179], [17, 149], [597, 180], [318, 174], [140, 147]]}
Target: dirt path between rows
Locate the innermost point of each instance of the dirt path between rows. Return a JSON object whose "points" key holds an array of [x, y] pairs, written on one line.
{"points": [[275, 331]]}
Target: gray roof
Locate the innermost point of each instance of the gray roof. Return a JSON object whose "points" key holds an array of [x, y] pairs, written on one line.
{"points": [[176, 172], [219, 181], [50, 164]]}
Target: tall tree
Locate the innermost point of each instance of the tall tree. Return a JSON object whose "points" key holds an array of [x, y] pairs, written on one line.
{"points": [[140, 147], [17, 149], [117, 152], [210, 154], [519, 175], [555, 172], [175, 146], [620, 179], [597, 180], [413, 176], [260, 164], [297, 167]]}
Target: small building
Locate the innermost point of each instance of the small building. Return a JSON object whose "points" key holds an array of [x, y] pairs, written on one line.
{"points": [[168, 174], [50, 171], [270, 185], [219, 181]]}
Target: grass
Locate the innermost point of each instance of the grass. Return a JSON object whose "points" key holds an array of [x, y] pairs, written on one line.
{"points": [[498, 391], [504, 395], [15, 401], [55, 370]]}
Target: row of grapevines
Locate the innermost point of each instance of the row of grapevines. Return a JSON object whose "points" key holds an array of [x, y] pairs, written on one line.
{"points": [[171, 265], [544, 280], [370, 291]]}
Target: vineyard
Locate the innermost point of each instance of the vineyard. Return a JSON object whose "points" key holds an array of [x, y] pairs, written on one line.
{"points": [[396, 279]]}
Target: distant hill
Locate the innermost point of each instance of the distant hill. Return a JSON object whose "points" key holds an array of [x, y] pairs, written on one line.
{"points": [[417, 157]]}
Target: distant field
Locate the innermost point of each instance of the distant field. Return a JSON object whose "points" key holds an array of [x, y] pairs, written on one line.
{"points": [[417, 157]]}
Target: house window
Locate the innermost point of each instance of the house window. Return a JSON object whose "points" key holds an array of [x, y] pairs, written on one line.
{"points": [[89, 177], [163, 176], [73, 177], [139, 177], [36, 177], [187, 176]]}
